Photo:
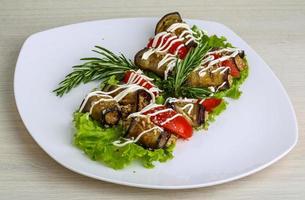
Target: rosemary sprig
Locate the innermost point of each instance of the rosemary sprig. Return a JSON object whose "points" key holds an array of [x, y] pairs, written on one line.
{"points": [[195, 92], [186, 66], [95, 69]]}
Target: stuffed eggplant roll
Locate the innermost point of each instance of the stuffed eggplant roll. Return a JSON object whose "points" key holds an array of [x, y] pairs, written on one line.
{"points": [[172, 41], [218, 69]]}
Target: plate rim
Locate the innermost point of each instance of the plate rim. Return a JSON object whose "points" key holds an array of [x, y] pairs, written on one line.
{"points": [[149, 186]]}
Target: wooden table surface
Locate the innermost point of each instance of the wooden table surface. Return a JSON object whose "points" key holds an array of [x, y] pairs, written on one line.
{"points": [[275, 29]]}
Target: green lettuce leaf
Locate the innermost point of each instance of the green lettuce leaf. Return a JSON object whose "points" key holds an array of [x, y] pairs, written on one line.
{"points": [[160, 99], [96, 142], [217, 42], [113, 80]]}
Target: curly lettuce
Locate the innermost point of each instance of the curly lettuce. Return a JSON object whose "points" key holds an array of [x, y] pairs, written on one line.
{"points": [[96, 142]]}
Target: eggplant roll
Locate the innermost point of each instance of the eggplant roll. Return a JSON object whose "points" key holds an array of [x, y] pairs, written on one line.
{"points": [[195, 113], [217, 76], [132, 102], [103, 109], [152, 136], [151, 64]]}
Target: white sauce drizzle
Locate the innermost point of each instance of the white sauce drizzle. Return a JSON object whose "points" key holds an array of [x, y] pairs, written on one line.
{"points": [[140, 73], [169, 100], [128, 88], [228, 49], [159, 112], [161, 48], [176, 26], [138, 76], [172, 42], [159, 35], [221, 69], [91, 94], [151, 106], [207, 59], [132, 88], [223, 84], [223, 58], [171, 58], [212, 88], [189, 108], [128, 141], [185, 33], [178, 48], [173, 100], [97, 102], [169, 68], [185, 99], [146, 108], [201, 101], [189, 41], [170, 119], [225, 69], [210, 59]]}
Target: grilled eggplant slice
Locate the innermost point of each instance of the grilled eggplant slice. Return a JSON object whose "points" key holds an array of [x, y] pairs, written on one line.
{"points": [[103, 109], [195, 113], [167, 20], [150, 64], [152, 138], [111, 116], [240, 63]]}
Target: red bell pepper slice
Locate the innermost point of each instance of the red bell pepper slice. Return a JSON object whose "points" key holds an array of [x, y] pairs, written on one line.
{"points": [[177, 125], [229, 63], [182, 52], [210, 103], [233, 68], [144, 83]]}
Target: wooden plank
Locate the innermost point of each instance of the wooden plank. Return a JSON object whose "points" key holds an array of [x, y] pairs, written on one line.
{"points": [[275, 29]]}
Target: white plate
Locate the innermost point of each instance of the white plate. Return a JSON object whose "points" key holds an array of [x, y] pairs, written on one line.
{"points": [[254, 132]]}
